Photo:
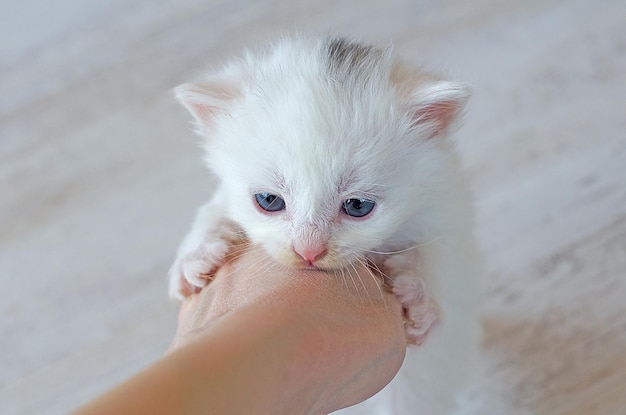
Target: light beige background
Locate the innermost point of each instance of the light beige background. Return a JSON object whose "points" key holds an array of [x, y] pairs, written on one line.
{"points": [[100, 176]]}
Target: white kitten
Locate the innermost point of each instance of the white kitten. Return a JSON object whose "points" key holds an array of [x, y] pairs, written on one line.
{"points": [[330, 152]]}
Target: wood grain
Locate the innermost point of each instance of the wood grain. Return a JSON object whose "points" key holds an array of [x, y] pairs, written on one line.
{"points": [[100, 177]]}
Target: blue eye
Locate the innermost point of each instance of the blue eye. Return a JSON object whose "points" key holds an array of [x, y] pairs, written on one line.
{"points": [[357, 207], [269, 202]]}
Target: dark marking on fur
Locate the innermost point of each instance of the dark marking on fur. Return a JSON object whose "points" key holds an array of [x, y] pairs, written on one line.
{"points": [[350, 59]]}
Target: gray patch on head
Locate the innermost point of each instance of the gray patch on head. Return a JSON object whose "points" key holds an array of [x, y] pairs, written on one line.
{"points": [[346, 59]]}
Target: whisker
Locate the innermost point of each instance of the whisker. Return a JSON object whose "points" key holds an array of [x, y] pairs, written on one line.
{"points": [[361, 281], [365, 264], [353, 283], [384, 276], [250, 249], [261, 260], [403, 250], [343, 277], [233, 257]]}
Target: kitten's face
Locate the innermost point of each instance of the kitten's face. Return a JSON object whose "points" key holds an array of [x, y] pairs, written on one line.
{"points": [[321, 189]]}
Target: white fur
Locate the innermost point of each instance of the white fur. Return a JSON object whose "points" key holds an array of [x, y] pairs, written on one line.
{"points": [[282, 122]]}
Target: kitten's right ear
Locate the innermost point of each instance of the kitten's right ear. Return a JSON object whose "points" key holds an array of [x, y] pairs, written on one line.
{"points": [[438, 104], [206, 100]]}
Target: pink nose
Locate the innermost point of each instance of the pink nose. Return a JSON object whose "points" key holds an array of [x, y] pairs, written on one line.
{"points": [[311, 254]]}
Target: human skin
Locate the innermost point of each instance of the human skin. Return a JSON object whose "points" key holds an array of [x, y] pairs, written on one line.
{"points": [[267, 340]]}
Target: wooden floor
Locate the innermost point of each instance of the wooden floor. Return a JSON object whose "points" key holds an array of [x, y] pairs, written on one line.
{"points": [[100, 176]]}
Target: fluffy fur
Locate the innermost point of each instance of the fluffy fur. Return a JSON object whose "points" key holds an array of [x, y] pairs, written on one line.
{"points": [[320, 121]]}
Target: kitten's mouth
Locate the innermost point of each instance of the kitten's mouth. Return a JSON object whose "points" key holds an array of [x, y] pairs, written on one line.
{"points": [[312, 268]]}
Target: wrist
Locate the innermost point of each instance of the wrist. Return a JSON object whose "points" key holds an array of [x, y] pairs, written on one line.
{"points": [[262, 367]]}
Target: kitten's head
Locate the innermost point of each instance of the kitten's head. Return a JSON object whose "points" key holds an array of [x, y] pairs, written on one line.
{"points": [[327, 149]]}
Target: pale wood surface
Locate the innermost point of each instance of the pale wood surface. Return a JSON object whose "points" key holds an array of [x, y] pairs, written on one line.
{"points": [[100, 177]]}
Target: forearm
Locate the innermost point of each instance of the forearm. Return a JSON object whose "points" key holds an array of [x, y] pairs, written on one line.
{"points": [[166, 387], [232, 368]]}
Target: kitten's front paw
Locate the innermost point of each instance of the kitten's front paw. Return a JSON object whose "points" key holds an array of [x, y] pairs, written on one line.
{"points": [[193, 269], [421, 313]]}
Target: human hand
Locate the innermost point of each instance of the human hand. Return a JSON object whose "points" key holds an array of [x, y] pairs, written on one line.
{"points": [[329, 341]]}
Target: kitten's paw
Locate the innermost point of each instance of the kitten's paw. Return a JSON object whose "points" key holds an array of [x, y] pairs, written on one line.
{"points": [[421, 313], [195, 268]]}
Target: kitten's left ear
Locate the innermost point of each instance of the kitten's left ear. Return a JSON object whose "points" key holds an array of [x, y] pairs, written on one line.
{"points": [[437, 105], [206, 100]]}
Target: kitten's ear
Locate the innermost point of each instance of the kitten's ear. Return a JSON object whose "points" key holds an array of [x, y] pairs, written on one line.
{"points": [[438, 105], [206, 100]]}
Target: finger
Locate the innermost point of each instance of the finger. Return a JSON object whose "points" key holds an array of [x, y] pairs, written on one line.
{"points": [[186, 308], [187, 288]]}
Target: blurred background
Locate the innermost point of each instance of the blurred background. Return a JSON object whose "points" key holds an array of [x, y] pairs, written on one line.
{"points": [[100, 177]]}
